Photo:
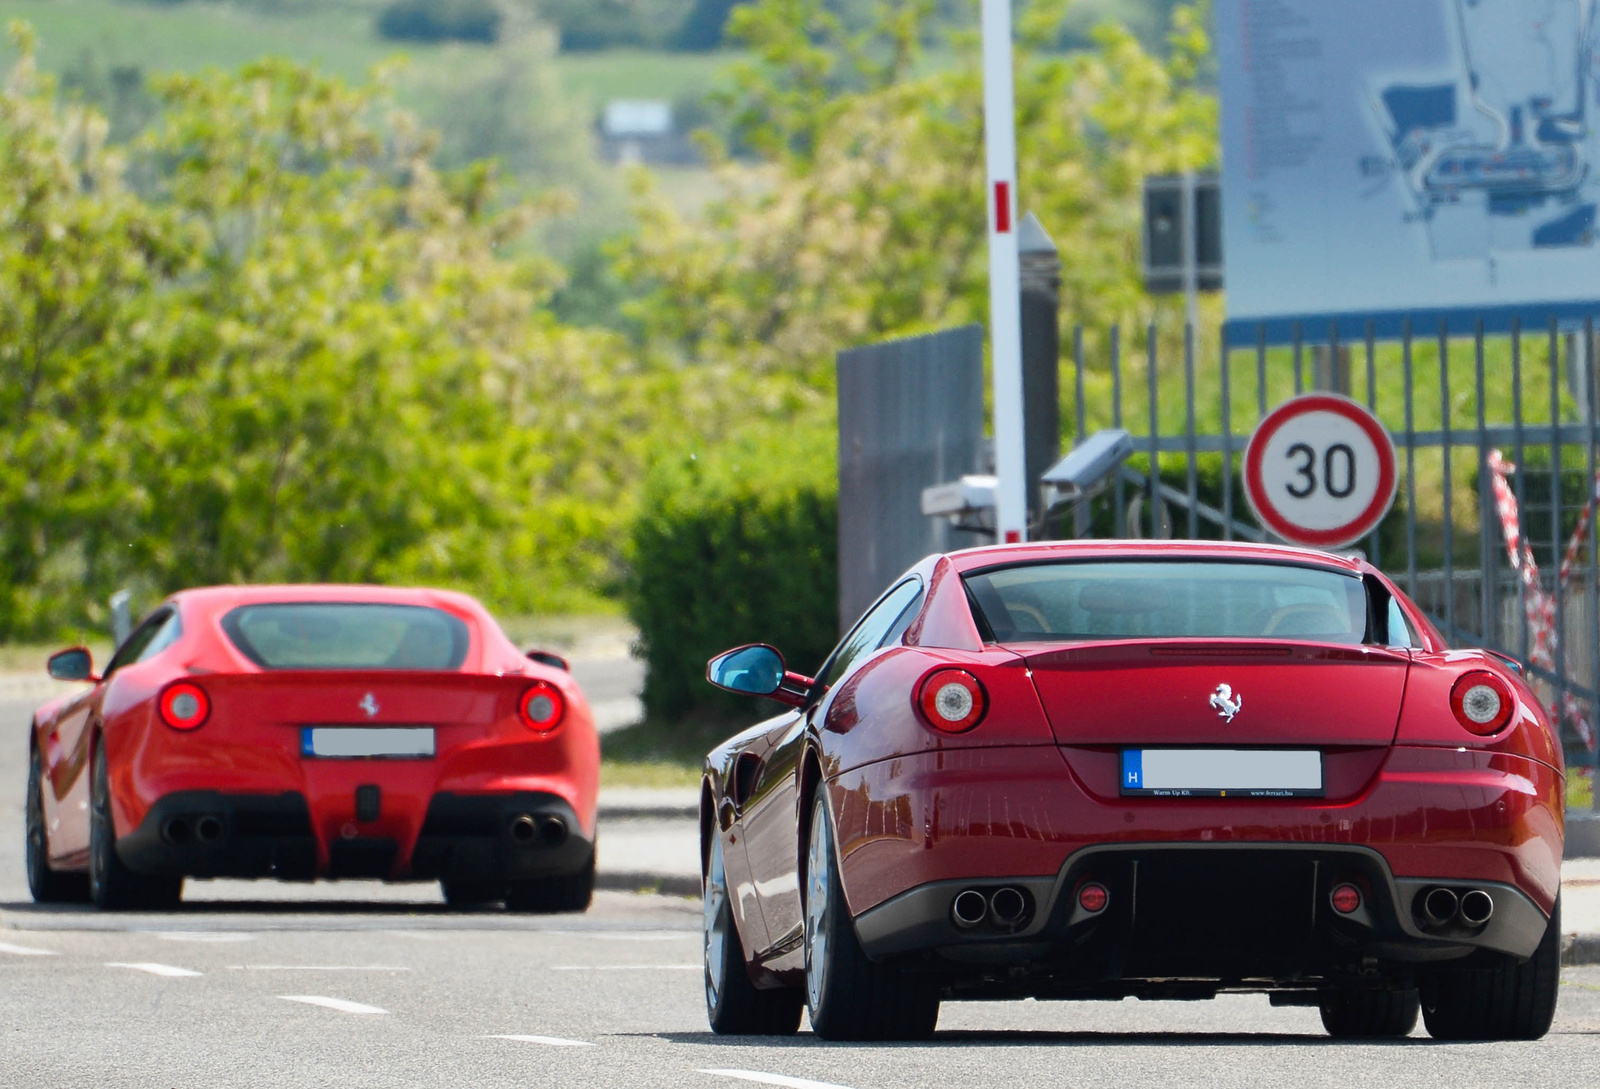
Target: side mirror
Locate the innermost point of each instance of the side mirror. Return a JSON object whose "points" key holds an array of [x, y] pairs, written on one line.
{"points": [[758, 670], [545, 657], [75, 664], [1508, 661]]}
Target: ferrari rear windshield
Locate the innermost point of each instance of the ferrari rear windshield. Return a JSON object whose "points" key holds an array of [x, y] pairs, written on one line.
{"points": [[333, 635], [1169, 600]]}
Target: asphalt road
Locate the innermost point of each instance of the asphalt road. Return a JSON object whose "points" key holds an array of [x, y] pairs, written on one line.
{"points": [[359, 984]]}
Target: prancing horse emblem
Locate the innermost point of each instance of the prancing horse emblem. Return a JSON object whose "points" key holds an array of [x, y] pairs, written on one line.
{"points": [[1223, 699], [370, 705]]}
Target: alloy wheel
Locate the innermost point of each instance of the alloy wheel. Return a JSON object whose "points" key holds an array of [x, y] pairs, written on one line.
{"points": [[715, 927], [818, 893]]}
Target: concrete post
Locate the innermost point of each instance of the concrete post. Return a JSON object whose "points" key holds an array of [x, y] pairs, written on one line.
{"points": [[1040, 267]]}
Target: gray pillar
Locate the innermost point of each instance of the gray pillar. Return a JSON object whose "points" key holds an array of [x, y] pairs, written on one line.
{"points": [[1330, 372], [1041, 353]]}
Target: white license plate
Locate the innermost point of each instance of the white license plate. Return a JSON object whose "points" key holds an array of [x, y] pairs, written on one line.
{"points": [[1220, 773], [367, 742]]}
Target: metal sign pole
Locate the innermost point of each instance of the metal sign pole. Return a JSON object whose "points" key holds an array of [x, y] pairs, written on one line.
{"points": [[1005, 310]]}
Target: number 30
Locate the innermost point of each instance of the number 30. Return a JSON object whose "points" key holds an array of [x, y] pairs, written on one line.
{"points": [[1332, 470]]}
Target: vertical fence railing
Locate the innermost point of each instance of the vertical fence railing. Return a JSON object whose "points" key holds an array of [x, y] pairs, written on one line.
{"points": [[1185, 480]]}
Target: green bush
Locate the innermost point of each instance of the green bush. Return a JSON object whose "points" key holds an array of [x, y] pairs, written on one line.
{"points": [[442, 20], [740, 546]]}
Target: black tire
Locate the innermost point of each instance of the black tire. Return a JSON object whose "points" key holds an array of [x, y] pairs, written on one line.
{"points": [[1370, 1015], [1515, 1001], [848, 996], [734, 1005], [112, 886], [46, 885], [553, 895], [471, 894]]}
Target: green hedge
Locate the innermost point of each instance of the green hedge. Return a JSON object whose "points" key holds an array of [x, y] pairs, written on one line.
{"points": [[442, 20], [736, 546]]}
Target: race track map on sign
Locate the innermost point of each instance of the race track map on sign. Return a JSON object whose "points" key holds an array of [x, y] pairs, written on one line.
{"points": [[1420, 156]]}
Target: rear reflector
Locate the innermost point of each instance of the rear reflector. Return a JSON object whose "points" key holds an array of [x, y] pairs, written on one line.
{"points": [[1345, 898], [184, 706], [1093, 898]]}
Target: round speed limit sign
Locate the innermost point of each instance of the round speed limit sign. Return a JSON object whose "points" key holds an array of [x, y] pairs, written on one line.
{"points": [[1320, 471]]}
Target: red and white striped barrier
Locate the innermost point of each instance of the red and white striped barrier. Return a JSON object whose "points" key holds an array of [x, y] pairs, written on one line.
{"points": [[1544, 639]]}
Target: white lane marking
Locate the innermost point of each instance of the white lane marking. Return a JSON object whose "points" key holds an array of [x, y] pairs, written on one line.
{"points": [[25, 951], [419, 935], [548, 1041], [314, 968], [154, 969], [204, 936], [772, 1079], [627, 967], [644, 936], [340, 1004]]}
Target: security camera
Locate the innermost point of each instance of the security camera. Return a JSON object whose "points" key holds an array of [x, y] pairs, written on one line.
{"points": [[970, 495], [1086, 470]]}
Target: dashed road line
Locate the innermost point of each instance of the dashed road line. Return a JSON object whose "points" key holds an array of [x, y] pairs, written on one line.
{"points": [[340, 1004], [315, 968], [548, 1041], [26, 951], [772, 1079], [627, 967], [154, 969]]}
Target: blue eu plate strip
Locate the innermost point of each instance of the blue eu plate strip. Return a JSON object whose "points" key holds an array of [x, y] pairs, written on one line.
{"points": [[1132, 769], [305, 742]]}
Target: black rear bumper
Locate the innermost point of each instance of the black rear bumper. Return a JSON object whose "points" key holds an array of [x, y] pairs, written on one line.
{"points": [[1201, 917], [493, 837]]}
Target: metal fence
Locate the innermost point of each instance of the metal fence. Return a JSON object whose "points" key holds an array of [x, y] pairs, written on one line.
{"points": [[1509, 566]]}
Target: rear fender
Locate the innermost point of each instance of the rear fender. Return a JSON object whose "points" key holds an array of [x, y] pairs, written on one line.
{"points": [[1426, 719], [872, 715]]}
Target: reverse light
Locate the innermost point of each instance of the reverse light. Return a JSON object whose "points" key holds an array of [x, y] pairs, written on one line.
{"points": [[541, 707], [952, 701], [184, 706], [1482, 703]]}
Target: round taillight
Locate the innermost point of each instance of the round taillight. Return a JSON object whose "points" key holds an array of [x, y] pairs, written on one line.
{"points": [[184, 706], [1093, 898], [542, 707], [1345, 899], [1482, 703], [952, 701]]}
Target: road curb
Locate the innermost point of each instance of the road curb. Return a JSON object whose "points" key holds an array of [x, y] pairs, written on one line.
{"points": [[663, 884], [1580, 949]]}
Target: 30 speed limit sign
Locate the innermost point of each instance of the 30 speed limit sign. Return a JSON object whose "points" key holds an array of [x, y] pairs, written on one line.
{"points": [[1320, 471]]}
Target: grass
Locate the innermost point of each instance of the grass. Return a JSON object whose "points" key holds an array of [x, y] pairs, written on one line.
{"points": [[1580, 790], [336, 36], [30, 657]]}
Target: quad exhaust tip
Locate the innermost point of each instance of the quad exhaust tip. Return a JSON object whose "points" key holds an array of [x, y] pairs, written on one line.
{"points": [[1008, 906], [176, 830], [546, 831], [969, 909], [204, 829], [1442, 907], [208, 829]]}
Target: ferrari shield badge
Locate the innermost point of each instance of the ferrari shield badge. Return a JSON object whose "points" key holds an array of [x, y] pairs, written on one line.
{"points": [[1226, 703]]}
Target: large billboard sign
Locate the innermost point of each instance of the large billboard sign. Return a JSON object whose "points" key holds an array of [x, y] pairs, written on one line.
{"points": [[1385, 159]]}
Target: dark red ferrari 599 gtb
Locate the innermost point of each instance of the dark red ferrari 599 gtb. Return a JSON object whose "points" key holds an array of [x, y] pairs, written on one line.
{"points": [[315, 731], [1166, 770]]}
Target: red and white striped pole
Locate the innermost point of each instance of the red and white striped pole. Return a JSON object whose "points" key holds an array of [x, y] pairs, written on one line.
{"points": [[1005, 306]]}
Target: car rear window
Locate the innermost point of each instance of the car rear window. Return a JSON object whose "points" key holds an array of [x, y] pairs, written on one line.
{"points": [[1169, 600], [332, 635]]}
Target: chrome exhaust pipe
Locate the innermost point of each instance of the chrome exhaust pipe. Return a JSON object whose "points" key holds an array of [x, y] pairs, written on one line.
{"points": [[1477, 907], [552, 831], [1008, 906], [208, 829], [969, 909], [176, 830], [1439, 906], [523, 828]]}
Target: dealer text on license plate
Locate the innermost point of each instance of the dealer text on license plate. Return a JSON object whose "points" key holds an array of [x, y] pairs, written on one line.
{"points": [[1222, 773], [367, 742]]}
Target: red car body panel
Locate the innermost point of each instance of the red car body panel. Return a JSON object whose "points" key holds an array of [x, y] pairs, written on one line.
{"points": [[1033, 790], [250, 743]]}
